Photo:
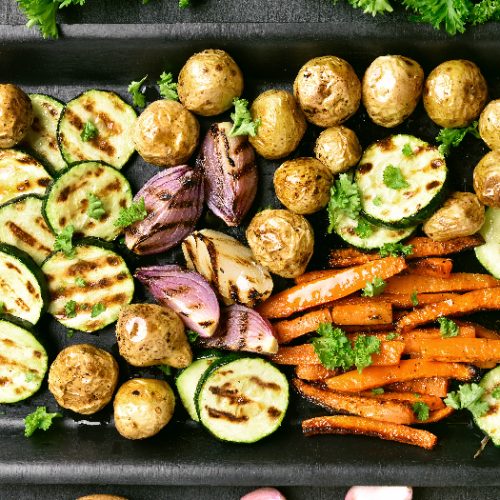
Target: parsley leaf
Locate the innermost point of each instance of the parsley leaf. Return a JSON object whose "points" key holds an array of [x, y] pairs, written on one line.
{"points": [[96, 210], [468, 397], [391, 336], [97, 309], [167, 370], [372, 7], [39, 419], [192, 336], [30, 377], [393, 178], [414, 298], [135, 213], [79, 281], [135, 90], [89, 132], [378, 391], [70, 309], [168, 88], [64, 242], [364, 229], [447, 328], [407, 150], [452, 137], [374, 288], [395, 249], [484, 11], [184, 4], [496, 392], [421, 410], [242, 119], [344, 198], [377, 201]]}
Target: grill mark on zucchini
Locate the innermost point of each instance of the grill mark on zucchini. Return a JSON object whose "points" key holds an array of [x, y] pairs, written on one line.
{"points": [[22, 235], [213, 413]]}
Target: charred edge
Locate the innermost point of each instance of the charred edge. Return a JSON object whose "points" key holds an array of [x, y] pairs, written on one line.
{"points": [[212, 254], [273, 412], [213, 413], [26, 238], [232, 394], [265, 385]]}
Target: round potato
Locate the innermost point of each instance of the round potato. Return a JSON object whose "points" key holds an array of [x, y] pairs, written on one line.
{"points": [[282, 124], [166, 133], [328, 90], [149, 335], [455, 92], [303, 185], [98, 496], [487, 179], [16, 115], [461, 215], [392, 86], [208, 82], [142, 407], [281, 241], [338, 148], [489, 125], [83, 378]]}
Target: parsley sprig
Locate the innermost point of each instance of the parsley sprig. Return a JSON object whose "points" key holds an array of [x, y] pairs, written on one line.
{"points": [[395, 249], [135, 213], [64, 242], [135, 89], [421, 410], [89, 132], [452, 137], [468, 397], [447, 328], [96, 209], [393, 178], [39, 419], [243, 124], [374, 288], [167, 86]]}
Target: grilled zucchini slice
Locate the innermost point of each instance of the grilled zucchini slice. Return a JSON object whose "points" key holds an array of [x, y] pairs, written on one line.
{"points": [[88, 291], [114, 120], [21, 174], [68, 200], [23, 226], [41, 138], [490, 422], [489, 253], [24, 362], [23, 289], [416, 196], [242, 400]]}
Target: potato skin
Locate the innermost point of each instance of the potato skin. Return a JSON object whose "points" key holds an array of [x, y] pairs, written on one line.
{"points": [[281, 241], [83, 378], [149, 334], [328, 90], [392, 86], [282, 124], [338, 148], [487, 179], [208, 82], [461, 215], [16, 115], [166, 133], [455, 92], [142, 407], [489, 125], [303, 185]]}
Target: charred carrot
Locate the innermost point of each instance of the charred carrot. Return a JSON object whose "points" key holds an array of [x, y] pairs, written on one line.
{"points": [[481, 331], [410, 300], [433, 402], [313, 372], [314, 275], [437, 415], [432, 266], [434, 386], [343, 424], [347, 257], [412, 339], [288, 330], [366, 314]]}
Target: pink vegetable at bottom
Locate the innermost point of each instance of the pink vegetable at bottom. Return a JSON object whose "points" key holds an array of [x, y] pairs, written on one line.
{"points": [[264, 494], [380, 493]]}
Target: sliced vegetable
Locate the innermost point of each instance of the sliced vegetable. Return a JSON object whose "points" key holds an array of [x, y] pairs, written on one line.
{"points": [[313, 372], [489, 423], [489, 253], [434, 386], [432, 266], [407, 301], [433, 402]]}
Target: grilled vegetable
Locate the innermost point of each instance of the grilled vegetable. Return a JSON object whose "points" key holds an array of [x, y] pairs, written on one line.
{"points": [[489, 422], [23, 289], [112, 120], [17, 115], [489, 253], [109, 287], [185, 292], [243, 329], [23, 226], [83, 378], [72, 198], [487, 179], [174, 200], [230, 173], [150, 335], [21, 174], [42, 135], [489, 124], [228, 266], [264, 494], [397, 189], [242, 400], [24, 362]]}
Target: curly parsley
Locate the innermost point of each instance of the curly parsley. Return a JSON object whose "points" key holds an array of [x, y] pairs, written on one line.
{"points": [[89, 132], [70, 309], [39, 419], [468, 397], [135, 213], [374, 288], [407, 150], [64, 242], [395, 249], [97, 309], [393, 178], [447, 328], [167, 86], [95, 210], [243, 124]]}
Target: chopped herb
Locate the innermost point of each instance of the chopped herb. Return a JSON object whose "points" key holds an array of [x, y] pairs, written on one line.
{"points": [[242, 119], [344, 199], [2, 307], [364, 229], [89, 132], [184, 4], [468, 397], [414, 298], [167, 370], [377, 201], [70, 309], [79, 281], [417, 395], [70, 333], [378, 391], [391, 336], [135, 213], [192, 336], [447, 328], [97, 309], [374, 288], [496, 392], [421, 410], [407, 150], [168, 88], [39, 419], [64, 242], [30, 377], [135, 90], [95, 210], [393, 178], [395, 249], [452, 137]]}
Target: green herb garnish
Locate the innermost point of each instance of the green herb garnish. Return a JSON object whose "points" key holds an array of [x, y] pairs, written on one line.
{"points": [[391, 336], [447, 328], [70, 309], [89, 132], [377, 201], [395, 249], [496, 393], [378, 391], [374, 288], [243, 124], [344, 200], [97, 309], [393, 178], [96, 210], [168, 88], [192, 336], [452, 137], [421, 410], [414, 298], [468, 397], [364, 229], [135, 90], [135, 213], [79, 281], [407, 150], [39, 419], [64, 242], [167, 370]]}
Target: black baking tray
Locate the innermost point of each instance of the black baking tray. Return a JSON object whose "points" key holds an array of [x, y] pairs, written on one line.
{"points": [[88, 450]]}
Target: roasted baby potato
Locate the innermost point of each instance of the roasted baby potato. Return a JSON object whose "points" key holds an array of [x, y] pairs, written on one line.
{"points": [[328, 90], [487, 179], [208, 82], [461, 215], [392, 86], [303, 185], [142, 407], [16, 115], [281, 241], [83, 378], [489, 124], [338, 148], [455, 92], [149, 335], [166, 133], [282, 124]]}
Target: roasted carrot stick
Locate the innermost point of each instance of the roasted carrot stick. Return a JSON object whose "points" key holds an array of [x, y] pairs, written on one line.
{"points": [[343, 424], [478, 300], [485, 365], [431, 266], [366, 314], [434, 386], [368, 329], [288, 330], [481, 331], [412, 339], [313, 372], [378, 376], [347, 257], [387, 411], [314, 275], [433, 402], [437, 415], [405, 300], [320, 291]]}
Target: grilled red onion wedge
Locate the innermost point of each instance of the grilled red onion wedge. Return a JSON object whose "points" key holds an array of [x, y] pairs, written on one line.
{"points": [[174, 201], [186, 292], [230, 173]]}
